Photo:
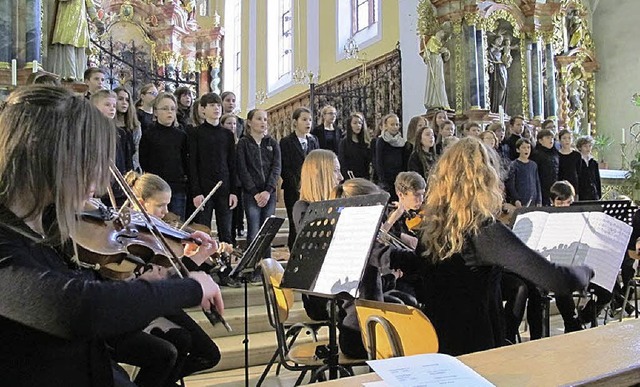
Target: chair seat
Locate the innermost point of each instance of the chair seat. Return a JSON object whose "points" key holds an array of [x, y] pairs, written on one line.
{"points": [[304, 353]]}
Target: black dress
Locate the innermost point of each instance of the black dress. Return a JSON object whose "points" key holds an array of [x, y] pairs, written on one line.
{"points": [[462, 296]]}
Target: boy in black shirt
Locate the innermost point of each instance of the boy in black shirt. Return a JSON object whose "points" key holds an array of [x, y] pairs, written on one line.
{"points": [[212, 158]]}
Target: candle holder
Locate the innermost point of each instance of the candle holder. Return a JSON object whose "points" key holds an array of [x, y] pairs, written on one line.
{"points": [[623, 156]]}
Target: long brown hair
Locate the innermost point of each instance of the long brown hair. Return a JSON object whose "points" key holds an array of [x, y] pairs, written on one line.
{"points": [[54, 147], [131, 122], [464, 192]]}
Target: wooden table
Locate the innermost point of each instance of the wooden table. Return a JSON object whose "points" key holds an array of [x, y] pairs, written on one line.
{"points": [[604, 356]]}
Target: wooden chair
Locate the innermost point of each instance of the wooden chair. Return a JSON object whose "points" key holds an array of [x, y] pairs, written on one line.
{"points": [[292, 356], [392, 330]]}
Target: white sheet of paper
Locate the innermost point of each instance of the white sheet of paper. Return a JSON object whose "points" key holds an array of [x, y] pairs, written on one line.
{"points": [[607, 239], [433, 369], [529, 227], [348, 252], [380, 383]]}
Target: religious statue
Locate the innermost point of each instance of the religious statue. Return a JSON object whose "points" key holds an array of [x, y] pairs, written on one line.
{"points": [[190, 7], [576, 93], [435, 54], [575, 33], [70, 40], [500, 59]]}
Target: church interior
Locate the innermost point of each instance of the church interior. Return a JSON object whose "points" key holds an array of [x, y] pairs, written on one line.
{"points": [[567, 63]]}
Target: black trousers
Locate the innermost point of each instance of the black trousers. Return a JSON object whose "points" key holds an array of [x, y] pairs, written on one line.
{"points": [[515, 292], [204, 353], [290, 198], [219, 203]]}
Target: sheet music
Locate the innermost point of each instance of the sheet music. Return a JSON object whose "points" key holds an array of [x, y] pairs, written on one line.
{"points": [[529, 227], [607, 239], [348, 251], [433, 369], [594, 239]]}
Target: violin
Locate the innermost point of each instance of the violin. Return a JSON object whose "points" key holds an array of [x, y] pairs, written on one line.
{"points": [[413, 219], [118, 243]]}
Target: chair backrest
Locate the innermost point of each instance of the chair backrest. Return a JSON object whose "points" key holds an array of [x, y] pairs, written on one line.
{"points": [[391, 330], [280, 300]]}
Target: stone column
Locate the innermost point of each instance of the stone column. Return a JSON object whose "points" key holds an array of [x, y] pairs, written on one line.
{"points": [[537, 93], [33, 30], [550, 96], [472, 67]]}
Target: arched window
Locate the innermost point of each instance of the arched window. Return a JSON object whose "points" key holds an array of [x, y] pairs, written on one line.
{"points": [[279, 44], [358, 20]]}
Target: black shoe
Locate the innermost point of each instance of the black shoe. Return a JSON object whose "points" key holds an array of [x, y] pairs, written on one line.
{"points": [[572, 325], [230, 282]]}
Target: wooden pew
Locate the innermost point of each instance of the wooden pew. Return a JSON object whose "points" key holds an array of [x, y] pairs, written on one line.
{"points": [[605, 356]]}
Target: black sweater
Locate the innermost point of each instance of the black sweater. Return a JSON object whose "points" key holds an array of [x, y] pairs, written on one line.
{"points": [[212, 158], [259, 166], [325, 141], [590, 186], [354, 157], [548, 161], [163, 151], [390, 161], [569, 168], [462, 294], [54, 318]]}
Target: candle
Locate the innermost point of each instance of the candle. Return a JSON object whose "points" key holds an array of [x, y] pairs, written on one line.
{"points": [[624, 137], [14, 72], [34, 66], [589, 129], [501, 115]]}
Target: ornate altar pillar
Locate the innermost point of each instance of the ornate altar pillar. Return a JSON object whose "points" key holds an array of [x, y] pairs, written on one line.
{"points": [[472, 67], [483, 79], [33, 29], [551, 92], [536, 87]]}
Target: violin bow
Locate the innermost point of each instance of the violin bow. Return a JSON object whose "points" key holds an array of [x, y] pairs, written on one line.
{"points": [[212, 315], [201, 206]]}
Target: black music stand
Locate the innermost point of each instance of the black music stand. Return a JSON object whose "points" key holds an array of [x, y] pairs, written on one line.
{"points": [[310, 250], [622, 210], [243, 271]]}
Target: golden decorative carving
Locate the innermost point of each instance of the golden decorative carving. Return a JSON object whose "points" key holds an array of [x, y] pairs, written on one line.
{"points": [[473, 19], [491, 22], [427, 21], [525, 83], [457, 31], [591, 103]]}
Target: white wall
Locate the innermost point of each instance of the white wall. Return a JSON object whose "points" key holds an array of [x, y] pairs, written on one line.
{"points": [[413, 68], [615, 32]]}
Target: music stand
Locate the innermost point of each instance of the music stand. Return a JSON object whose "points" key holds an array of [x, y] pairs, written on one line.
{"points": [[243, 271], [310, 250], [622, 210]]}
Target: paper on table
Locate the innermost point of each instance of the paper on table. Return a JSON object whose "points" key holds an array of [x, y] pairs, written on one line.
{"points": [[348, 251], [433, 369], [379, 383]]}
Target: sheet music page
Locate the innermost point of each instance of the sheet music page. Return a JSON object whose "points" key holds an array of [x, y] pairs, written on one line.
{"points": [[606, 239], [558, 234], [433, 369], [348, 251], [529, 226]]}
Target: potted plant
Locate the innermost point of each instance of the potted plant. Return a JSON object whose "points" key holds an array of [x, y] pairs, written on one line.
{"points": [[633, 177], [601, 144]]}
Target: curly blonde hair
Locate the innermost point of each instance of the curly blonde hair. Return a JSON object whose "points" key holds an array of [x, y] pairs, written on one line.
{"points": [[464, 192]]}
